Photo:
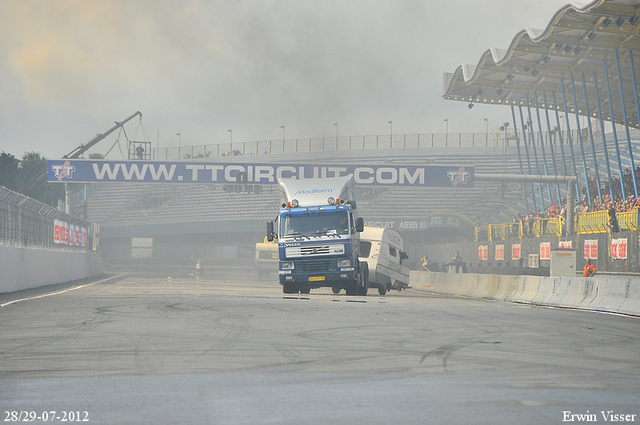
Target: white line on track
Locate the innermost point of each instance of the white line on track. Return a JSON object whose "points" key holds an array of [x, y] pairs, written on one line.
{"points": [[63, 291]]}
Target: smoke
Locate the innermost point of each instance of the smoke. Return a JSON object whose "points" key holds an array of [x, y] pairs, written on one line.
{"points": [[69, 68]]}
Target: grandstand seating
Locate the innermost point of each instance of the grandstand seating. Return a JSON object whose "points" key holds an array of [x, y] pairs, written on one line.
{"points": [[124, 204]]}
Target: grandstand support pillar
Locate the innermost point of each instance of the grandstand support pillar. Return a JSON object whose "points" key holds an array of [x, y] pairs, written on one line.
{"points": [[551, 148], [635, 95], [535, 151], [569, 138], [570, 211], [526, 150], [626, 122], [570, 181], [559, 133], [515, 128], [604, 139], [593, 143], [579, 132], [67, 199], [544, 154], [615, 133]]}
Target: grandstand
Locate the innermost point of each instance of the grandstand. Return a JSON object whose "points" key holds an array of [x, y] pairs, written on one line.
{"points": [[126, 204], [118, 204], [159, 210]]}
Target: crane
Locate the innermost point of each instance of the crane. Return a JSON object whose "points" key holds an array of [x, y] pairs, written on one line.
{"points": [[42, 177]]}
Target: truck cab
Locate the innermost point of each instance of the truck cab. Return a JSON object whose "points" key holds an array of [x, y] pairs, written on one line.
{"points": [[317, 229]]}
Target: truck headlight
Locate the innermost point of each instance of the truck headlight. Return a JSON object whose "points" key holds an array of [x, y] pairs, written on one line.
{"points": [[344, 263], [287, 266]]}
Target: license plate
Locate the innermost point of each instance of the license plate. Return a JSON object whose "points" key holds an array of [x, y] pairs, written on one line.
{"points": [[316, 278]]}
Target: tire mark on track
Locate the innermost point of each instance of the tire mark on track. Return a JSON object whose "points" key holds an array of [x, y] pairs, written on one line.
{"points": [[86, 326], [238, 327]]}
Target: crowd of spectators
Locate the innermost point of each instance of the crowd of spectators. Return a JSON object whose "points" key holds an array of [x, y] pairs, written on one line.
{"points": [[535, 222], [619, 204]]}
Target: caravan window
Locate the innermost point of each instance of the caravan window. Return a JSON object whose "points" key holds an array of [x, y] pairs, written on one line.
{"points": [[365, 249], [393, 252]]}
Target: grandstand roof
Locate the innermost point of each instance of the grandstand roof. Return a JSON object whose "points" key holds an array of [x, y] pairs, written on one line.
{"points": [[579, 40]]}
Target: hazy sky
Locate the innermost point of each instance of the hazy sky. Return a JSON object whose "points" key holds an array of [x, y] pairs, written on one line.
{"points": [[70, 68]]}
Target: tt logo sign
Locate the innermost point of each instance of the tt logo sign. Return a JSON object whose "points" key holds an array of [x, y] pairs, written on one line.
{"points": [[459, 176], [63, 171]]}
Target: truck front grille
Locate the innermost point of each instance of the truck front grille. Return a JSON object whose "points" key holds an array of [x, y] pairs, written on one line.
{"points": [[314, 250], [314, 266]]}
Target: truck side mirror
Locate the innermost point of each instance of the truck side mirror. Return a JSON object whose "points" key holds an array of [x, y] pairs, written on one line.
{"points": [[270, 231], [359, 224]]}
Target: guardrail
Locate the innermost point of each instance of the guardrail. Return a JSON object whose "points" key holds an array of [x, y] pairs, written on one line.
{"points": [[27, 223], [497, 139], [589, 223]]}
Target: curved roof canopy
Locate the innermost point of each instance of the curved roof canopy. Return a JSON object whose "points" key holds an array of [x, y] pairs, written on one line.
{"points": [[581, 42]]}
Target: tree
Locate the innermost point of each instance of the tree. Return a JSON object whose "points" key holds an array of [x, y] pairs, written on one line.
{"points": [[32, 165], [96, 155], [9, 165]]}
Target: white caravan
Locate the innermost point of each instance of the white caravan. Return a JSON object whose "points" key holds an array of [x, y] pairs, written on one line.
{"points": [[383, 250]]}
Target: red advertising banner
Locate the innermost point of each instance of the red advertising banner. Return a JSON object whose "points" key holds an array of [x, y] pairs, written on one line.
{"points": [[516, 250], [483, 252], [499, 252], [69, 234], [619, 249], [57, 231], [565, 244], [545, 250], [72, 234], [591, 249]]}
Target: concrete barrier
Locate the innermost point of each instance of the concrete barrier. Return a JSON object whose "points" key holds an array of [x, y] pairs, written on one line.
{"points": [[611, 294], [526, 289], [631, 303], [22, 268]]}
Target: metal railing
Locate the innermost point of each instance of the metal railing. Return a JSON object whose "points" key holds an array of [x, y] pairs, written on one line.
{"points": [[27, 223], [344, 143], [589, 223]]}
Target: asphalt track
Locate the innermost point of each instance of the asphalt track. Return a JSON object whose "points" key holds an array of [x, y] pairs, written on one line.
{"points": [[235, 350]]}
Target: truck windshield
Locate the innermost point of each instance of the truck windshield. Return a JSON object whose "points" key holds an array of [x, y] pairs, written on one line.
{"points": [[329, 223]]}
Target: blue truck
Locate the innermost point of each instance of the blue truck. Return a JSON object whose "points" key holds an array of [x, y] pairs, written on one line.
{"points": [[318, 234]]}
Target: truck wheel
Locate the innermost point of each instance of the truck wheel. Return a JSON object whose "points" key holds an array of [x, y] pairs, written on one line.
{"points": [[352, 288], [364, 285], [305, 289], [382, 290], [363, 281], [335, 289], [290, 288]]}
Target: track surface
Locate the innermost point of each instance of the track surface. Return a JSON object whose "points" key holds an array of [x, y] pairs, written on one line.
{"points": [[152, 350]]}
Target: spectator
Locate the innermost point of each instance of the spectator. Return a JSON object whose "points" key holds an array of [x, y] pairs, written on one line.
{"points": [[543, 221], [424, 262], [589, 269], [531, 219], [456, 257], [613, 221]]}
